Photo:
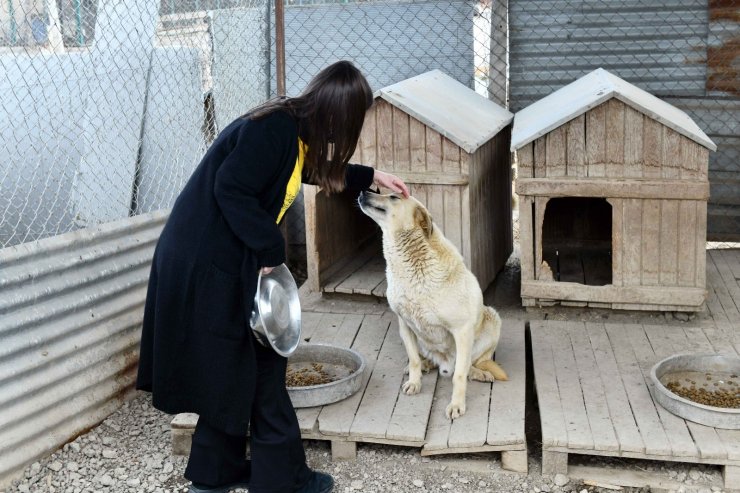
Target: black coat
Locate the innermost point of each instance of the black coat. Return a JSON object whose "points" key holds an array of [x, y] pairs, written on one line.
{"points": [[197, 352]]}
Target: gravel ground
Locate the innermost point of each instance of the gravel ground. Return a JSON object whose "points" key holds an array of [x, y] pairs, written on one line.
{"points": [[130, 452]]}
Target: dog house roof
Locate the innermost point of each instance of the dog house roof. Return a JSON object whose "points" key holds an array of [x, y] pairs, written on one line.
{"points": [[449, 107], [589, 91]]}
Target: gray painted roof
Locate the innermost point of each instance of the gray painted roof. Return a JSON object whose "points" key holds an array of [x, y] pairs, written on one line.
{"points": [[449, 107], [589, 91]]}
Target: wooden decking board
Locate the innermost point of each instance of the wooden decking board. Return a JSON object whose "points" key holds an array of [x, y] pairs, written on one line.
{"points": [[667, 340], [309, 322], [508, 398], [566, 373], [438, 429], [699, 339], [324, 332], [625, 426], [337, 419], [470, 430], [724, 308], [380, 289], [643, 408], [624, 355], [381, 394], [710, 442], [497, 407], [365, 279], [411, 413], [724, 261], [731, 441], [677, 432], [720, 338], [364, 256], [602, 429], [554, 432], [348, 330]]}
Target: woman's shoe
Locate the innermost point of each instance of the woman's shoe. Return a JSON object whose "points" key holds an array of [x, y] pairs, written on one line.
{"points": [[197, 488], [319, 482]]}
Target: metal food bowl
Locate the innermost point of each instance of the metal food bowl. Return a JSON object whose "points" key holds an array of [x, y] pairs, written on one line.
{"points": [[723, 368], [346, 365], [276, 316]]}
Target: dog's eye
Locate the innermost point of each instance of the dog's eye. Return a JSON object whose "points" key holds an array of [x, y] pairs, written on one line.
{"points": [[393, 197]]}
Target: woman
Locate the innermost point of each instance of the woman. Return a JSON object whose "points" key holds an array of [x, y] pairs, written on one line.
{"points": [[198, 353]]}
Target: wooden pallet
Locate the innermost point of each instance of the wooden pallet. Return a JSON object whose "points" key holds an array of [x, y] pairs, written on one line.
{"points": [[381, 413], [723, 288], [364, 274], [593, 390]]}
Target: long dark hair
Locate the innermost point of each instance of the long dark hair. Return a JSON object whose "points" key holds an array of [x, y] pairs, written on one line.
{"points": [[330, 113]]}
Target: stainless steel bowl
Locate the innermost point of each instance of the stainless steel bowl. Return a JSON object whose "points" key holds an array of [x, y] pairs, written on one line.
{"points": [[276, 316], [709, 363], [345, 365]]}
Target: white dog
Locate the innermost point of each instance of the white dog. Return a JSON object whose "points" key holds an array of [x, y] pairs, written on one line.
{"points": [[439, 303]]}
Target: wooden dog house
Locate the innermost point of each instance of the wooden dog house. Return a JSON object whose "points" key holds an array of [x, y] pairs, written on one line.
{"points": [[613, 195], [451, 146]]}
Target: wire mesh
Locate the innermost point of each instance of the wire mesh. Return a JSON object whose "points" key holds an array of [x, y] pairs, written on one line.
{"points": [[108, 106]]}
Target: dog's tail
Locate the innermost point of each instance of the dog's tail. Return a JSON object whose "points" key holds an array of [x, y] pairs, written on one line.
{"points": [[493, 368]]}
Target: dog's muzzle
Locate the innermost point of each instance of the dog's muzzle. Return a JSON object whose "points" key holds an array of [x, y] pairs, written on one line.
{"points": [[366, 200]]}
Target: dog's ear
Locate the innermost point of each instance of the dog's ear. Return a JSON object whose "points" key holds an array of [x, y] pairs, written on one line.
{"points": [[424, 221]]}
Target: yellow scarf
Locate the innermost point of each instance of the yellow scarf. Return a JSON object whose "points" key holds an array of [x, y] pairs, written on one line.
{"points": [[294, 184]]}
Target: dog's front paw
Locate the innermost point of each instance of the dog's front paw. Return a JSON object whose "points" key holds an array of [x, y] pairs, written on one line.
{"points": [[411, 388], [455, 410]]}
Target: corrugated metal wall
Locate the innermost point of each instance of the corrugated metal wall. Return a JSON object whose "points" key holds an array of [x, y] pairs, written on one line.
{"points": [[659, 46], [679, 50], [70, 319]]}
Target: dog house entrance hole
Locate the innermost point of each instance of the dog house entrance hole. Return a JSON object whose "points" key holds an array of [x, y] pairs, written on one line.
{"points": [[577, 240], [351, 245]]}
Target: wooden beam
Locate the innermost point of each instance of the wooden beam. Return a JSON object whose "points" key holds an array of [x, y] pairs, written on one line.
{"points": [[432, 178], [570, 291], [628, 189]]}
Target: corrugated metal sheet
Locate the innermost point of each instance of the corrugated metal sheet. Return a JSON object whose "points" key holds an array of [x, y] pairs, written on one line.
{"points": [[70, 319], [683, 51], [720, 118], [658, 46], [452, 109]]}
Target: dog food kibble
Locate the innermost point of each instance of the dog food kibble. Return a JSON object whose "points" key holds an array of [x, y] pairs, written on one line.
{"points": [[723, 397], [304, 377]]}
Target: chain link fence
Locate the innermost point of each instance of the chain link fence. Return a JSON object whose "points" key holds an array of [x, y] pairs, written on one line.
{"points": [[108, 105]]}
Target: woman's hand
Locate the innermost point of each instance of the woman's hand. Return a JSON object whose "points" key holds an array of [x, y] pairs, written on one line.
{"points": [[266, 270], [392, 182]]}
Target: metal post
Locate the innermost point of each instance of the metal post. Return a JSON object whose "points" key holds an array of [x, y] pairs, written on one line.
{"points": [[13, 24], [78, 23], [280, 46]]}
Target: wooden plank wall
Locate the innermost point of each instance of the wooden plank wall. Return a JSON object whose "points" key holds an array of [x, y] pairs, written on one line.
{"points": [[614, 140], [325, 216], [395, 142], [490, 202], [660, 243], [468, 196], [656, 241]]}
